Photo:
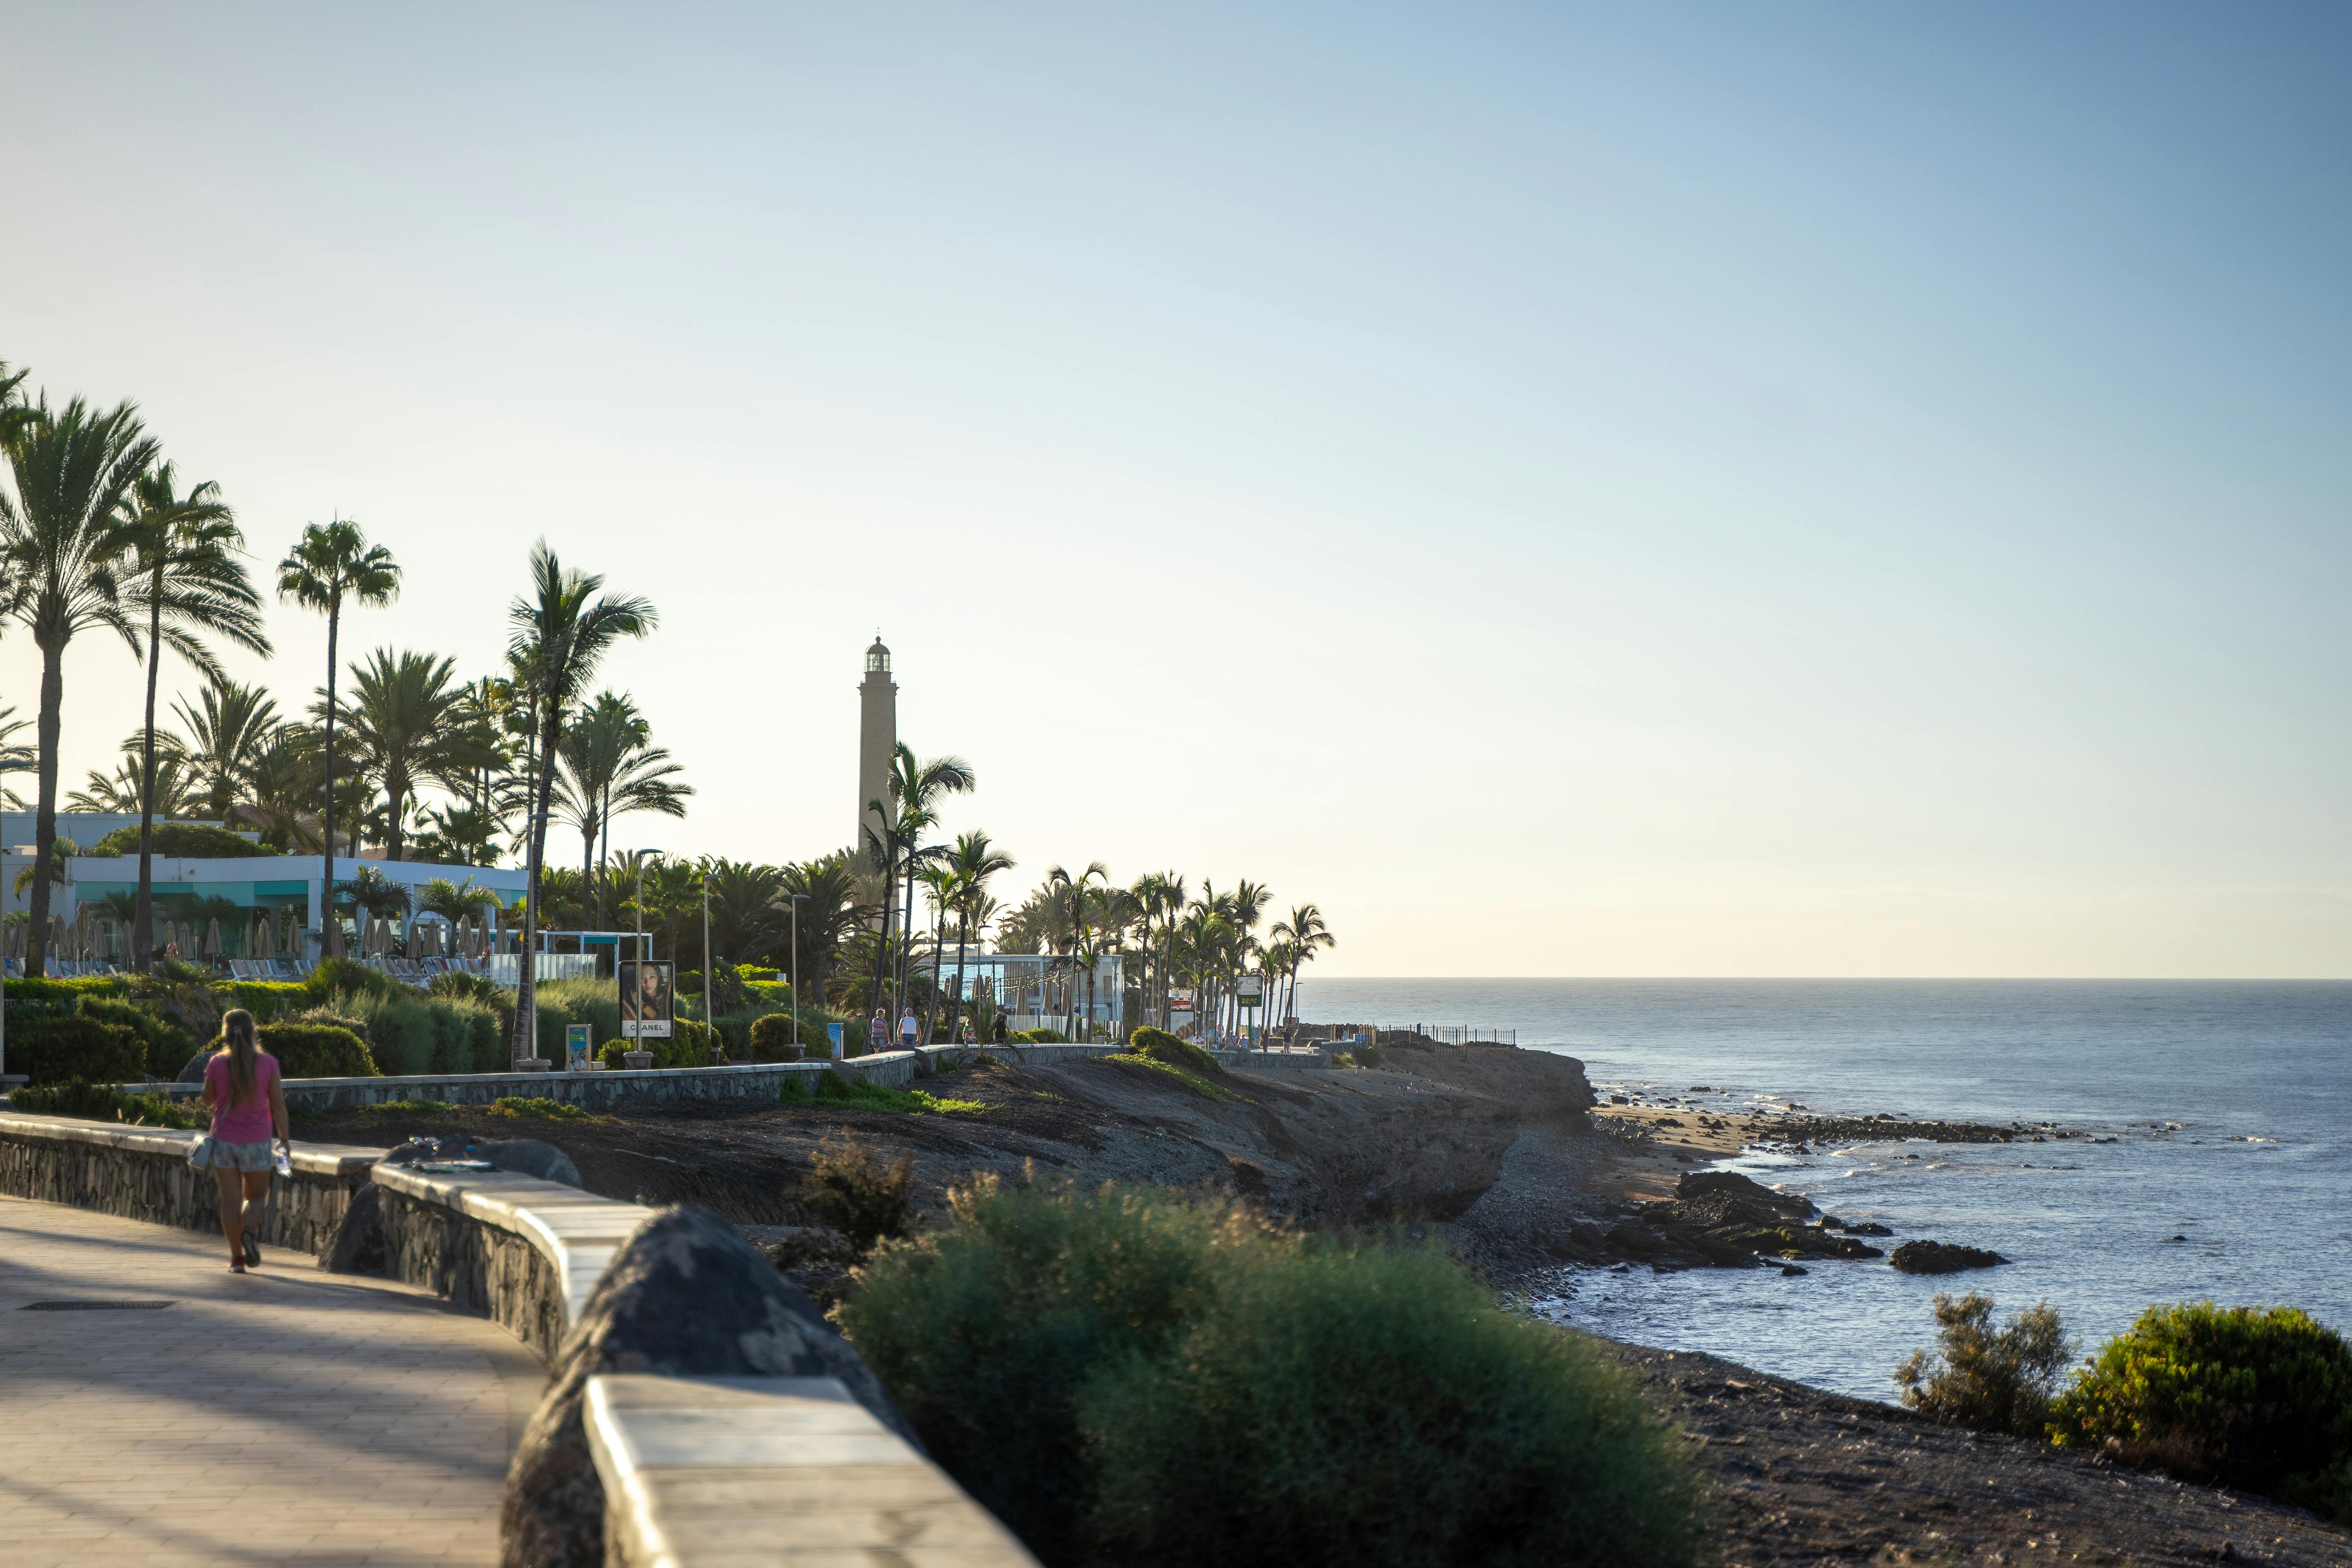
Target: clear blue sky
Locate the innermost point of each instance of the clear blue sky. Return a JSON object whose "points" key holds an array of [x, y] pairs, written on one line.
{"points": [[1836, 490]]}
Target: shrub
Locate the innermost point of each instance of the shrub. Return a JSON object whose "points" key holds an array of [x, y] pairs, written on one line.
{"points": [[850, 1189], [165, 1044], [265, 999], [190, 840], [342, 976], [1038, 1037], [398, 1028], [96, 1102], [1999, 1380], [1270, 1431], [772, 1039], [32, 999], [2257, 1398], [1122, 1374], [1162, 1047], [315, 1048], [52, 1050]]}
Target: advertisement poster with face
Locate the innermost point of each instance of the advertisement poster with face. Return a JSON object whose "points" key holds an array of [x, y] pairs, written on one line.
{"points": [[646, 999]]}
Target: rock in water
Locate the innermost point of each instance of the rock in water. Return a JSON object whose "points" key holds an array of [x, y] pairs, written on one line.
{"points": [[1941, 1258], [529, 1157], [685, 1297]]}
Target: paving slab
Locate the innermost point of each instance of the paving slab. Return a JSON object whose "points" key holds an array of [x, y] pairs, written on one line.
{"points": [[284, 1415]]}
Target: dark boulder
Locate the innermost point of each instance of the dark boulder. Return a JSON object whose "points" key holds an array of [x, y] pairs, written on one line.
{"points": [[194, 1072], [1866, 1227], [1941, 1258], [1728, 1220], [685, 1297], [529, 1157], [358, 1246]]}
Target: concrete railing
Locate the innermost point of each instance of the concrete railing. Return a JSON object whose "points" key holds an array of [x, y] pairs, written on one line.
{"points": [[143, 1173], [695, 1470], [768, 1470]]}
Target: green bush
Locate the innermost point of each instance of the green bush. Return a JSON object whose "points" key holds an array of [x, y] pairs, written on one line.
{"points": [[316, 1049], [1185, 1076], [1162, 1047], [165, 1045], [28, 1000], [52, 1050], [1038, 1037], [836, 1088], [398, 1027], [1121, 1374], [96, 1102], [188, 840], [2252, 1398], [265, 999], [772, 1039], [342, 976], [1997, 1380]]}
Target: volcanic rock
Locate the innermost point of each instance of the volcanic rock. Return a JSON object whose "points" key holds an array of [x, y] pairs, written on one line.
{"points": [[1941, 1258], [685, 1297]]}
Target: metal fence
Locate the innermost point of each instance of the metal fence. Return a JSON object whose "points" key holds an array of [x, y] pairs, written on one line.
{"points": [[1466, 1034]]}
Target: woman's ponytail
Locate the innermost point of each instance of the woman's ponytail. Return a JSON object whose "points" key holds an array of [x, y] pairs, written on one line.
{"points": [[236, 1028]]}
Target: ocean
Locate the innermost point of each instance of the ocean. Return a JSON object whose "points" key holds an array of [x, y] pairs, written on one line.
{"points": [[2229, 1102]]}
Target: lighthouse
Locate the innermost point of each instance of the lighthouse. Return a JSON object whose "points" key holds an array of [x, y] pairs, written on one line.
{"points": [[877, 741]]}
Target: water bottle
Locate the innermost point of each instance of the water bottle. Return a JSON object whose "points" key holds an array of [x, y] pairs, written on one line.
{"points": [[284, 1160]]}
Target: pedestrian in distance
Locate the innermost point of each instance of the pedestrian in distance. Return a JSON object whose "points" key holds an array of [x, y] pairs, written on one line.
{"points": [[878, 1031], [909, 1028], [1000, 1026], [246, 1096]]}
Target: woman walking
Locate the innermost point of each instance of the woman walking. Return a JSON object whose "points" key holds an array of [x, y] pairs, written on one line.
{"points": [[243, 1089], [877, 1032]]}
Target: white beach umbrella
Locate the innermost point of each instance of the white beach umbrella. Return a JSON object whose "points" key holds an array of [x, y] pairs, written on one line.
{"points": [[212, 939]]}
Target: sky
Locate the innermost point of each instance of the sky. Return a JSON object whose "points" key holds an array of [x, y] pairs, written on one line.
{"points": [[1835, 489]]}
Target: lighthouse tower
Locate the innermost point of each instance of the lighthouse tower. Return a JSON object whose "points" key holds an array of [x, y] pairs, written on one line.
{"points": [[878, 740]]}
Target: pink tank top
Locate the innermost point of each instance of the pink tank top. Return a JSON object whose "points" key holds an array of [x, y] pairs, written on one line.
{"points": [[248, 1120]]}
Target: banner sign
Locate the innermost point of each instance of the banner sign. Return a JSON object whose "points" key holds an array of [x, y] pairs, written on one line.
{"points": [[575, 1047], [645, 998], [1249, 989], [1180, 998], [833, 1036]]}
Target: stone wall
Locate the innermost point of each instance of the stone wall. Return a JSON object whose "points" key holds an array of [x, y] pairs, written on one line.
{"points": [[495, 1272], [143, 1173]]}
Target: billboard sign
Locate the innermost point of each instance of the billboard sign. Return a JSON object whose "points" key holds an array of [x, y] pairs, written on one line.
{"points": [[575, 1047], [1180, 998], [646, 999], [1249, 989]]}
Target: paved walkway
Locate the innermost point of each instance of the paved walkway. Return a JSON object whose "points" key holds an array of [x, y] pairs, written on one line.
{"points": [[279, 1416]]}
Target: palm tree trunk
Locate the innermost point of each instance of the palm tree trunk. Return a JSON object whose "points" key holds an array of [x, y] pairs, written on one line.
{"points": [[44, 819], [395, 793], [142, 939], [330, 934], [535, 832]]}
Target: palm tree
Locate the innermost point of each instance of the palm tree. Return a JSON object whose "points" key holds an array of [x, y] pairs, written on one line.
{"points": [[1069, 893], [62, 533], [562, 632], [168, 790], [16, 757], [454, 902], [830, 912], [610, 767], [973, 859], [334, 563], [1160, 896], [183, 578], [408, 727], [225, 734], [14, 413], [1303, 933], [918, 787]]}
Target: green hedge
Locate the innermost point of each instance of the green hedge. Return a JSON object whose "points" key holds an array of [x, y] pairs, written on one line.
{"points": [[772, 1039], [52, 1050], [194, 841], [689, 1046], [165, 1043], [316, 1050]]}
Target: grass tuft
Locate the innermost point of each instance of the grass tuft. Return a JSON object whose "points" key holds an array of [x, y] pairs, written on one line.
{"points": [[1190, 1079], [838, 1089]]}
